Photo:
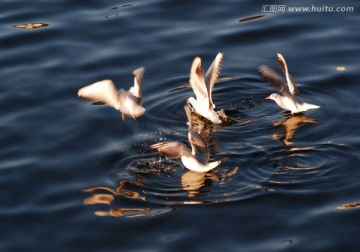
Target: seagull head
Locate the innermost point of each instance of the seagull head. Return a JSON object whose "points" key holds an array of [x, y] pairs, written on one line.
{"points": [[273, 96]]}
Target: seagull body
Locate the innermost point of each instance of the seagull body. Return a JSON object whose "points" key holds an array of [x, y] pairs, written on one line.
{"points": [[127, 102], [289, 97], [196, 159], [189, 158], [203, 86]]}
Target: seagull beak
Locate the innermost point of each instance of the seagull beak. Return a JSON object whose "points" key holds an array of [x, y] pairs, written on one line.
{"points": [[267, 98]]}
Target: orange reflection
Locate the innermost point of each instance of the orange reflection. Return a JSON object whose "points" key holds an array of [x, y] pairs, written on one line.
{"points": [[119, 190], [290, 125], [192, 181], [30, 26], [107, 199], [349, 206], [125, 212], [341, 68], [99, 199]]}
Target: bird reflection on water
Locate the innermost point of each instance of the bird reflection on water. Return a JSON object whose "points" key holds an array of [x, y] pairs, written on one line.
{"points": [[193, 188], [108, 199], [290, 125], [192, 182], [295, 164]]}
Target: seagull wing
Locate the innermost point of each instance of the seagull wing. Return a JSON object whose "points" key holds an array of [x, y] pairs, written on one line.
{"points": [[197, 81], [169, 149], [198, 147], [294, 90], [212, 75], [290, 81], [274, 80], [138, 79], [103, 91], [188, 115]]}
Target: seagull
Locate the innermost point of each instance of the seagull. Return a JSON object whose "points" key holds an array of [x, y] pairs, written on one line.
{"points": [[289, 97], [203, 86], [196, 159], [127, 102]]}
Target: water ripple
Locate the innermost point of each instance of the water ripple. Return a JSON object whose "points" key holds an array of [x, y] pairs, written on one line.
{"points": [[306, 165]]}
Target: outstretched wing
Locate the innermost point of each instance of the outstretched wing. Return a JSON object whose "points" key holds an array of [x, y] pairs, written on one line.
{"points": [[290, 81], [197, 81], [212, 75], [274, 80], [169, 149], [198, 147], [102, 91], [138, 79]]}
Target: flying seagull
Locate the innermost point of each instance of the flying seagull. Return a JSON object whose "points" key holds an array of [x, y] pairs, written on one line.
{"points": [[127, 102], [196, 159], [203, 86], [289, 95]]}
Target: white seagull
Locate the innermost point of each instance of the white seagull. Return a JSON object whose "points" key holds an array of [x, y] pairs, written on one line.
{"points": [[127, 102], [196, 159], [289, 97], [203, 86]]}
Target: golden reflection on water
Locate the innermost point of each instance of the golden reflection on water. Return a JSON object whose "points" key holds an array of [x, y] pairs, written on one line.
{"points": [[107, 199], [192, 181], [125, 212], [341, 68], [99, 199], [349, 206], [290, 125], [119, 190], [30, 25]]}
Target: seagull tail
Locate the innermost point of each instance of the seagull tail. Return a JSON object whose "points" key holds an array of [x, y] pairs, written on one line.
{"points": [[311, 106], [212, 165]]}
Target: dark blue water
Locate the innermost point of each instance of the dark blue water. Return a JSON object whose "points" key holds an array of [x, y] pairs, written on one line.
{"points": [[75, 177]]}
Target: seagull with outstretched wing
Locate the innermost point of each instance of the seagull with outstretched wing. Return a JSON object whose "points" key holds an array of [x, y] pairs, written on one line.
{"points": [[127, 102], [196, 159], [202, 86], [288, 96]]}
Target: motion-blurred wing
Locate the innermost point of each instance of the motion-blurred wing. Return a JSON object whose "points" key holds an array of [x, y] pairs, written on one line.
{"points": [[170, 149], [274, 80], [138, 79], [103, 91]]}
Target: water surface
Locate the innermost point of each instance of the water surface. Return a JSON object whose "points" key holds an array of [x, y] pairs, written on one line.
{"points": [[76, 177]]}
